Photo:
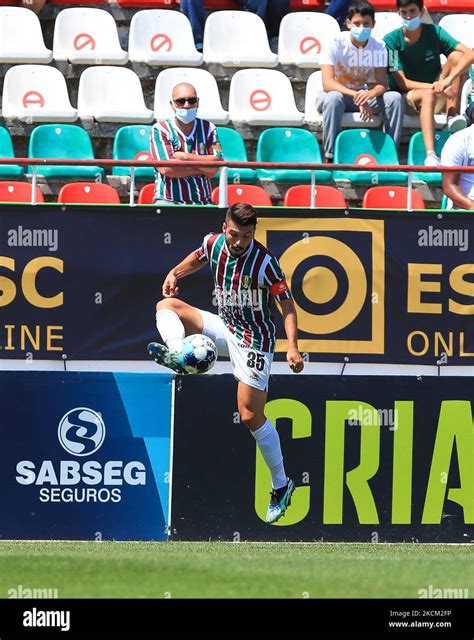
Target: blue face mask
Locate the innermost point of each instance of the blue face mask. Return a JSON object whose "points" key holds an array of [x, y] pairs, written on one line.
{"points": [[361, 34], [413, 24], [186, 115]]}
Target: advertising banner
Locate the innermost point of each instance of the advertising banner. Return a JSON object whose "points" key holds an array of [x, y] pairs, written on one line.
{"points": [[378, 459], [85, 455], [82, 283]]}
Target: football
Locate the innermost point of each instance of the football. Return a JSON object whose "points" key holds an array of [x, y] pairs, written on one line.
{"points": [[199, 353]]}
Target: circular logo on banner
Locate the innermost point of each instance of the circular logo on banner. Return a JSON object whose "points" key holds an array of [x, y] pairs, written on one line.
{"points": [[260, 100], [81, 431], [33, 98], [310, 43], [366, 159], [83, 40], [160, 41], [321, 284]]}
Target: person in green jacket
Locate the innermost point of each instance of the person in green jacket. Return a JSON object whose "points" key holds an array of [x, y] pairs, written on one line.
{"points": [[415, 70]]}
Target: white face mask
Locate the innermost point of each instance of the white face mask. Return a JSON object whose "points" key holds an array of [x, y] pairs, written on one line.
{"points": [[186, 115]]}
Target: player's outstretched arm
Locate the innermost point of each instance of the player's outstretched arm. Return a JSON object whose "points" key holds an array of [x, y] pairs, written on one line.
{"points": [[189, 265], [293, 356]]}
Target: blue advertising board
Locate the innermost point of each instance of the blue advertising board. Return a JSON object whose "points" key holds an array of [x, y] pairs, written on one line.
{"points": [[85, 455], [369, 285]]}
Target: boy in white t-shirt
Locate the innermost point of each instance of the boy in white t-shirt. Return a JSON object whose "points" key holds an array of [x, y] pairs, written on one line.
{"points": [[349, 63], [458, 151]]}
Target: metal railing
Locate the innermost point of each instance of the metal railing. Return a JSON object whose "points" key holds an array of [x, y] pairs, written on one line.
{"points": [[224, 166]]}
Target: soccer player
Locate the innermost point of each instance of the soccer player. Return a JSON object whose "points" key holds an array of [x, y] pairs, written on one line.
{"points": [[246, 277]]}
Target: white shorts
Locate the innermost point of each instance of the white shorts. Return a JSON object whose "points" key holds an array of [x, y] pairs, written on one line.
{"points": [[249, 365]]}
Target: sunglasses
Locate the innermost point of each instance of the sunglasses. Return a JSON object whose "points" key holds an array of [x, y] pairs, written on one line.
{"points": [[182, 101]]}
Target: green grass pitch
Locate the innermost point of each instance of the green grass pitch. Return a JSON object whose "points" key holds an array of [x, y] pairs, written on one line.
{"points": [[234, 570]]}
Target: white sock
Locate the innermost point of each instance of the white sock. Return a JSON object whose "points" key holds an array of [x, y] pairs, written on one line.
{"points": [[268, 441], [171, 329]]}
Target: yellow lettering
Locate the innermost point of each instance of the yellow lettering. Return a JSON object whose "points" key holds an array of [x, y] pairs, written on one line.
{"points": [[7, 286], [417, 286], [50, 336], [410, 341], [28, 282], [465, 288], [25, 332]]}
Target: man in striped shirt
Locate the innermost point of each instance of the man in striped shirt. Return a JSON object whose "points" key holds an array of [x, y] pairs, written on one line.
{"points": [[247, 276], [185, 138]]}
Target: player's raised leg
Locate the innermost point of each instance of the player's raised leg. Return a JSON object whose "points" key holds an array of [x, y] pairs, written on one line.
{"points": [[175, 319], [251, 404]]}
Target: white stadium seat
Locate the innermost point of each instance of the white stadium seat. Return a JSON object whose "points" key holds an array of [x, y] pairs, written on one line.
{"points": [[460, 26], [162, 37], [237, 39], [36, 93], [303, 37], [210, 107], [21, 38], [85, 35], [112, 94], [263, 97], [385, 22], [314, 87]]}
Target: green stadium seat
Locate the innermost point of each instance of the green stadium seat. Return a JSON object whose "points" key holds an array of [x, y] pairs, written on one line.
{"points": [[288, 144], [128, 142], [367, 147], [417, 154], [233, 148], [444, 203], [7, 151], [66, 141]]}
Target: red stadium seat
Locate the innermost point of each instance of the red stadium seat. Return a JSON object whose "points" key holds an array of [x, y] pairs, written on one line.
{"points": [[450, 6], [146, 194], [304, 5], [248, 193], [300, 196], [78, 3], [151, 4], [88, 193], [384, 5], [295, 5], [18, 192], [386, 197]]}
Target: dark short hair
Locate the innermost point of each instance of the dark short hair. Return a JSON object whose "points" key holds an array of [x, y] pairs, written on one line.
{"points": [[360, 7], [241, 213], [404, 3]]}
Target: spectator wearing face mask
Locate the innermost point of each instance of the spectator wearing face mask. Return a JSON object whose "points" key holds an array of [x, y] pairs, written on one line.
{"points": [[347, 66], [185, 138], [415, 71]]}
